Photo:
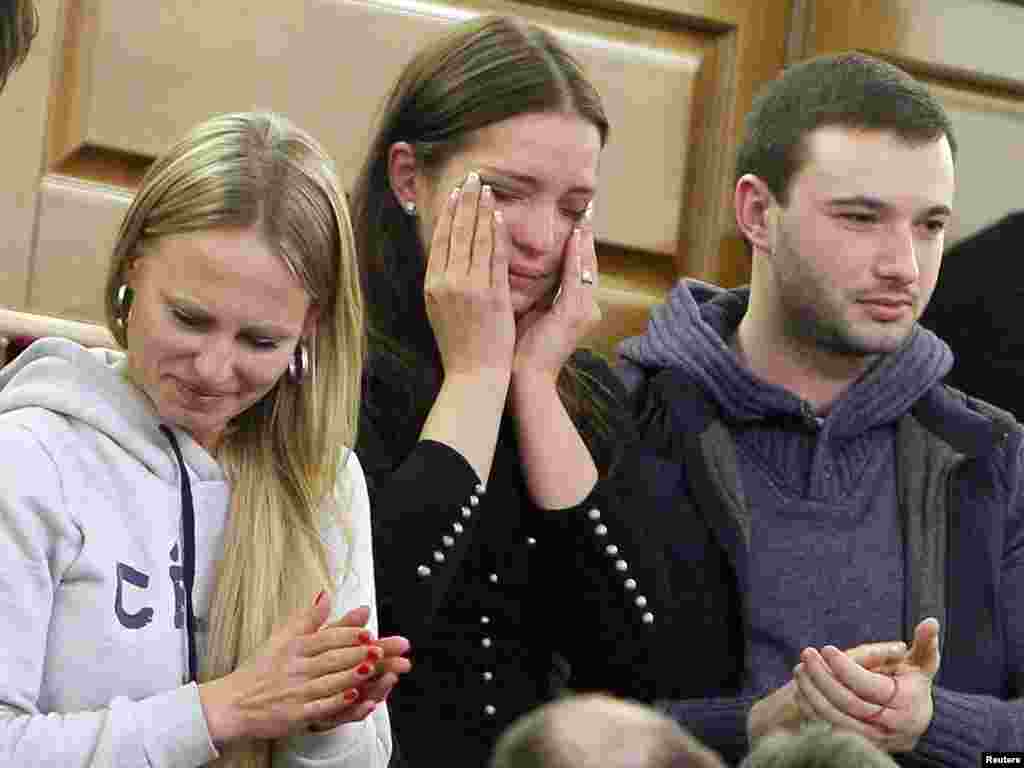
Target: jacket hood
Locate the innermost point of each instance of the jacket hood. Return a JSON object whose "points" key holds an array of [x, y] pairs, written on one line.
{"points": [[91, 386], [690, 331]]}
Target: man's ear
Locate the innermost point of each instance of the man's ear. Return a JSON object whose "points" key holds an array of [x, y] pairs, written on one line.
{"points": [[756, 213], [402, 172]]}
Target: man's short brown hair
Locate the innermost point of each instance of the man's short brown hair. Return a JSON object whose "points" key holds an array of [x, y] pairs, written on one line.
{"points": [[848, 90]]}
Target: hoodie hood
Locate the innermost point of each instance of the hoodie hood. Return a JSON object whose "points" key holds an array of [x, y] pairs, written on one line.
{"points": [[92, 386], [690, 331]]}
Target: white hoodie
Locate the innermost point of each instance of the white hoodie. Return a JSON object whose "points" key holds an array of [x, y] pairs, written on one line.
{"points": [[94, 652]]}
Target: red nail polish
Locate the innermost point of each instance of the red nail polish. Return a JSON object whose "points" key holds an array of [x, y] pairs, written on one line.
{"points": [[351, 695], [364, 669], [373, 653], [364, 637]]}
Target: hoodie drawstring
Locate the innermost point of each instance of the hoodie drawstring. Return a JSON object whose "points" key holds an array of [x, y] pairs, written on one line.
{"points": [[188, 525]]}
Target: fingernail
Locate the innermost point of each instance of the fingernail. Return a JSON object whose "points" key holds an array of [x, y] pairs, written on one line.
{"points": [[588, 212], [455, 194], [364, 669], [374, 653], [319, 597], [485, 193], [499, 216], [350, 695], [364, 637]]}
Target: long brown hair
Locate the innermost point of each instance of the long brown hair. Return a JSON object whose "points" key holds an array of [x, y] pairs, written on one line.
{"points": [[482, 72], [284, 454], [19, 24]]}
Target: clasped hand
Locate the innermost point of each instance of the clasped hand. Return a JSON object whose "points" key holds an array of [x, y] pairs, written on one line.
{"points": [[880, 690], [307, 674], [468, 297]]}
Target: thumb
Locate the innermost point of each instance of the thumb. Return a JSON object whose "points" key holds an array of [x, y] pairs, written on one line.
{"points": [[924, 652], [878, 655], [357, 617], [310, 620]]}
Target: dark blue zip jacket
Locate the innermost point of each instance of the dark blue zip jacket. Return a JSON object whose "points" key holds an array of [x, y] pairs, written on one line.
{"points": [[960, 466]]}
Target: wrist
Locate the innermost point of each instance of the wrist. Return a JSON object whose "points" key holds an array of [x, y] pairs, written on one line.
{"points": [[529, 389], [223, 722], [492, 378], [753, 725], [778, 710], [533, 382]]}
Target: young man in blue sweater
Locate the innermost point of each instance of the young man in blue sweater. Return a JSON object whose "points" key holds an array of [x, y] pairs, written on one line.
{"points": [[826, 490]]}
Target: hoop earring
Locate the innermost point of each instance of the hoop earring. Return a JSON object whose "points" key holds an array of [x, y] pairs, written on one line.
{"points": [[123, 303], [409, 206], [298, 366]]}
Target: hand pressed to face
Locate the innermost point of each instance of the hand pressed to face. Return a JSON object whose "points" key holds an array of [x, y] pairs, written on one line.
{"points": [[890, 703], [466, 287], [547, 335], [542, 168]]}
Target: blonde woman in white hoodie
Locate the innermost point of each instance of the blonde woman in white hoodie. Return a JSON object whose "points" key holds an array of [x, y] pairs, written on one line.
{"points": [[185, 559]]}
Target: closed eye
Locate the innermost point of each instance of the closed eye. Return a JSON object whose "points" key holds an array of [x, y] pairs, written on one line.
{"points": [[859, 217], [188, 321], [505, 195], [262, 343]]}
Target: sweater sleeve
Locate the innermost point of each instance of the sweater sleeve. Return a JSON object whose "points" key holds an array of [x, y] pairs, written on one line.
{"points": [[604, 565], [38, 542], [425, 515], [719, 723], [965, 725], [367, 743], [607, 581]]}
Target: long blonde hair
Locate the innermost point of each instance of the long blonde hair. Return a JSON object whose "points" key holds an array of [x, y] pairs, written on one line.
{"points": [[283, 455]]}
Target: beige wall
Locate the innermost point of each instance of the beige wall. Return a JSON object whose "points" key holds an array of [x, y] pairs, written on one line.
{"points": [[110, 83]]}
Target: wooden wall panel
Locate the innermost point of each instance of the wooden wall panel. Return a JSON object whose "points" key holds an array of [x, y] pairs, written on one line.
{"points": [[970, 37], [969, 52], [128, 78], [23, 109], [990, 132], [78, 224]]}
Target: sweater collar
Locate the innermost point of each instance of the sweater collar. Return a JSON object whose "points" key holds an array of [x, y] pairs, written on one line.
{"points": [[690, 332]]}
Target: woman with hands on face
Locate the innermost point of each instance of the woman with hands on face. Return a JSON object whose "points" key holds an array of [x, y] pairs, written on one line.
{"points": [[490, 439], [185, 528]]}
